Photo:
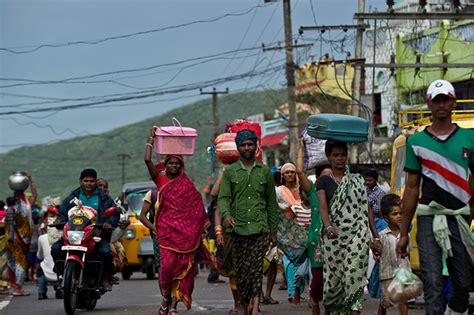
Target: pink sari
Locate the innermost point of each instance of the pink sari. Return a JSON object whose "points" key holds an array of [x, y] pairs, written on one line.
{"points": [[181, 220]]}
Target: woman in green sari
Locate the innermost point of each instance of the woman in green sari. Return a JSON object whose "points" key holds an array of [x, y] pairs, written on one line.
{"points": [[343, 205], [313, 243]]}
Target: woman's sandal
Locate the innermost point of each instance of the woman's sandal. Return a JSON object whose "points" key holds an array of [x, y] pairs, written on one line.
{"points": [[21, 293], [164, 307], [268, 300], [173, 311]]}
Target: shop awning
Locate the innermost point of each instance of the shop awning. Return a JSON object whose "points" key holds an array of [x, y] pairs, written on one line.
{"points": [[274, 139]]}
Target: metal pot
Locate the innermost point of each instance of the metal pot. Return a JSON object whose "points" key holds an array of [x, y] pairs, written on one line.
{"points": [[18, 181]]}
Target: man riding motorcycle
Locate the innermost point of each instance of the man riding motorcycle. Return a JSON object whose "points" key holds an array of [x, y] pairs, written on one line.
{"points": [[90, 195]]}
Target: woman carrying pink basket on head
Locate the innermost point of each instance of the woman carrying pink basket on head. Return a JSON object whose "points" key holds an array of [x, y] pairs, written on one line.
{"points": [[180, 221]]}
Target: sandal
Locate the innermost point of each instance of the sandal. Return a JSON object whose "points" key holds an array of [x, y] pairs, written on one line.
{"points": [[268, 300], [173, 311], [164, 307], [21, 293]]}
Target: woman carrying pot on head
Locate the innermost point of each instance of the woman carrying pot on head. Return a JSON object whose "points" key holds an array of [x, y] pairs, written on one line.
{"points": [[180, 223], [291, 236], [343, 206], [19, 230]]}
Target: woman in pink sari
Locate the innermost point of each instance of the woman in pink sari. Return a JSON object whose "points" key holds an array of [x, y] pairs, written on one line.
{"points": [[180, 222]]}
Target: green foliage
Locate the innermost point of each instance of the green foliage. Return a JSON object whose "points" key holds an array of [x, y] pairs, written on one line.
{"points": [[56, 167]]}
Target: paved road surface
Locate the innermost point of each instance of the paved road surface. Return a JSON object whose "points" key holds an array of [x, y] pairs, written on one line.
{"points": [[140, 296]]}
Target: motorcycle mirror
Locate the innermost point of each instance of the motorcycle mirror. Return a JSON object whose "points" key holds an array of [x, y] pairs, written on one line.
{"points": [[110, 212]]}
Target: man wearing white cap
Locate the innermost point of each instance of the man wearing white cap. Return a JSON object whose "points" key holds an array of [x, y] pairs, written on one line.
{"points": [[440, 159]]}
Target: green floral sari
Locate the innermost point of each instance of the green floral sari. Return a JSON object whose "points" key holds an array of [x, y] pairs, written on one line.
{"points": [[346, 258]]}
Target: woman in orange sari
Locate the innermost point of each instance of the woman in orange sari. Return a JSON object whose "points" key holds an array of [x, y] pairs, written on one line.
{"points": [[181, 221]]}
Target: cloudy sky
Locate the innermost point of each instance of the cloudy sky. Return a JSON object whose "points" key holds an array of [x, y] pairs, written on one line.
{"points": [[115, 62]]}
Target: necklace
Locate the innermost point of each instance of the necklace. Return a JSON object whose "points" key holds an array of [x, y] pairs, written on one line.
{"points": [[338, 181], [293, 189]]}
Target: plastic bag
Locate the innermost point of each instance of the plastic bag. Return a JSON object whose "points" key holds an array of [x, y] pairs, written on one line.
{"points": [[314, 154], [405, 286]]}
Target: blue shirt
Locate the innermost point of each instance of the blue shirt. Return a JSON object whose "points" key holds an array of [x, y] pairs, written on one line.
{"points": [[92, 201]]}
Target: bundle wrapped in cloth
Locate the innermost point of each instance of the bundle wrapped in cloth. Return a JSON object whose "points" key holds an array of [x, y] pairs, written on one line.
{"points": [[405, 286], [226, 149], [82, 211], [314, 154]]}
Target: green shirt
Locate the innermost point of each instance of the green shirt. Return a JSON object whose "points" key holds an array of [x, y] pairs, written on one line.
{"points": [[91, 201], [250, 198]]}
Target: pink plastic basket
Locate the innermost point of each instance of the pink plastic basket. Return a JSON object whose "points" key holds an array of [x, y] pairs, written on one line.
{"points": [[175, 139]]}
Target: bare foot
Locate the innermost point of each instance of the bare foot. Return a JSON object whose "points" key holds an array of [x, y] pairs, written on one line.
{"points": [[297, 297]]}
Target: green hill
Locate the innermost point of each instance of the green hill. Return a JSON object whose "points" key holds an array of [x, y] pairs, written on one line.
{"points": [[57, 166]]}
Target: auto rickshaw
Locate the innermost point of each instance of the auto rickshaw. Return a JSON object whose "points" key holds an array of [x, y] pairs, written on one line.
{"points": [[136, 239]]}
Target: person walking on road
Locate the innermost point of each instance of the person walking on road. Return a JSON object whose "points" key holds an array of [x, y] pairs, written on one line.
{"points": [[292, 236], [440, 159], [375, 195], [390, 209], [344, 210], [180, 222], [247, 201], [45, 241], [314, 232]]}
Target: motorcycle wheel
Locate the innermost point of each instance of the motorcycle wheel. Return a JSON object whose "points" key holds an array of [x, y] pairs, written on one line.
{"points": [[150, 268], [71, 284], [126, 273]]}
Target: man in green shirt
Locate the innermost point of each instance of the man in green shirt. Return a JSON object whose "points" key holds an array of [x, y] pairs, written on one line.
{"points": [[247, 201]]}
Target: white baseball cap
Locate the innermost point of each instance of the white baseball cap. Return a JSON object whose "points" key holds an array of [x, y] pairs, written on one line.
{"points": [[440, 87]]}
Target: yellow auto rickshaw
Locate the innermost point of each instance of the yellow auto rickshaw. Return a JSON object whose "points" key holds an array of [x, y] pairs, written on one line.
{"points": [[136, 239]]}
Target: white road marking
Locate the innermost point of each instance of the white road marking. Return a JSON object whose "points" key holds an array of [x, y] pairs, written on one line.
{"points": [[5, 302]]}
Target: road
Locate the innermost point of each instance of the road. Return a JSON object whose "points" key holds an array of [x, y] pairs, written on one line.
{"points": [[140, 296]]}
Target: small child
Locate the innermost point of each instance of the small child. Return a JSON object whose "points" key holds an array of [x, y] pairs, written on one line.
{"points": [[390, 206]]}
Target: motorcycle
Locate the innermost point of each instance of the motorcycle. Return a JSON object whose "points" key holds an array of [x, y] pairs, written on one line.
{"points": [[82, 272]]}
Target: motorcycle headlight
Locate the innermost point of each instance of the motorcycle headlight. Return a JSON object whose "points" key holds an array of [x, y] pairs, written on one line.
{"points": [[75, 237], [130, 233]]}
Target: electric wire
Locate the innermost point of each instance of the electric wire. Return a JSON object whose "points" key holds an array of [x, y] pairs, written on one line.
{"points": [[102, 40], [147, 94]]}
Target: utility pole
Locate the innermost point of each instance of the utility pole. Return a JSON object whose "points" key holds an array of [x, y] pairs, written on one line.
{"points": [[290, 78], [357, 74], [215, 116], [124, 157]]}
